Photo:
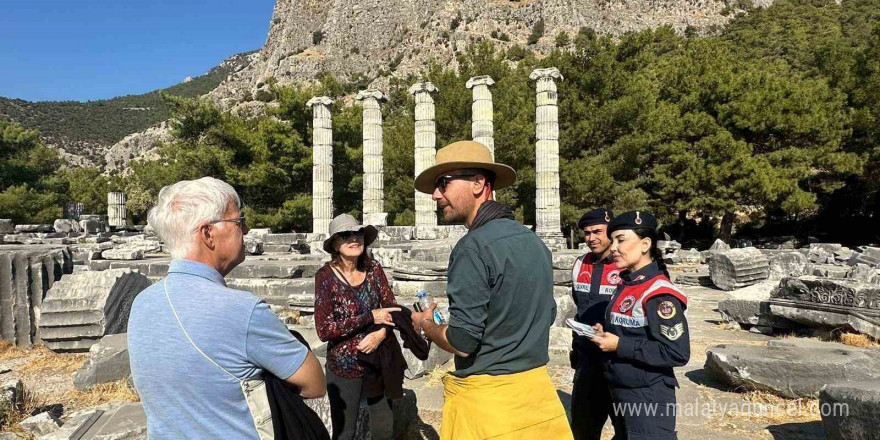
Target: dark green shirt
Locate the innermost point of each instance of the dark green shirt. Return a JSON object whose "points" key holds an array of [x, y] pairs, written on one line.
{"points": [[501, 302]]}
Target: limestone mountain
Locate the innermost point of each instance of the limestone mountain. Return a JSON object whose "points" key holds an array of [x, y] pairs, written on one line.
{"points": [[84, 131], [378, 38]]}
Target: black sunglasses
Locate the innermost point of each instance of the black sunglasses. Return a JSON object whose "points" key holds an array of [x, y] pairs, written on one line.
{"points": [[442, 181], [347, 235]]}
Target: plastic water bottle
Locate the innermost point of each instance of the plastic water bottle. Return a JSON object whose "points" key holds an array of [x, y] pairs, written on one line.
{"points": [[425, 301]]}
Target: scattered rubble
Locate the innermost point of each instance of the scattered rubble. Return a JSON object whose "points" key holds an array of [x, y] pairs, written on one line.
{"points": [[40, 424]]}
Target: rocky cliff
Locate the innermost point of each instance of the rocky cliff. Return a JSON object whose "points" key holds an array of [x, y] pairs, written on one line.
{"points": [[377, 38]]}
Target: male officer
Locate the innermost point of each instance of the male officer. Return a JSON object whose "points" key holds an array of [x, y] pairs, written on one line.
{"points": [[594, 280]]}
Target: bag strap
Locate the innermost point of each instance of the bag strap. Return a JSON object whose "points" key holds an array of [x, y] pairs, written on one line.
{"points": [[180, 324]]}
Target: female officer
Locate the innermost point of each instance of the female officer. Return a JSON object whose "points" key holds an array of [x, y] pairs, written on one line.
{"points": [[645, 333]]}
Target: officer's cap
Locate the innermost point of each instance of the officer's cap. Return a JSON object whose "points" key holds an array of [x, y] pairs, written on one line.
{"points": [[599, 216], [633, 220]]}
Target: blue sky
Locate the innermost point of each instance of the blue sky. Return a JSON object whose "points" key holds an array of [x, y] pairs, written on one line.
{"points": [[54, 50]]}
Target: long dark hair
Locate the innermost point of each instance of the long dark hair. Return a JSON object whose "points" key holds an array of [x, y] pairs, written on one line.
{"points": [[655, 252], [364, 261]]}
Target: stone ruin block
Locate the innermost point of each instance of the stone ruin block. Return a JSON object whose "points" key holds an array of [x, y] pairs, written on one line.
{"points": [[6, 226], [82, 308], [829, 271], [868, 255], [564, 260], [65, 226], [788, 264], [107, 362], [864, 273], [396, 233], [668, 246], [699, 277], [123, 253], [253, 245], [719, 246], [850, 410], [33, 229], [823, 253], [93, 224], [738, 268], [749, 307], [26, 275], [439, 232], [406, 290], [691, 256], [829, 303], [420, 271], [791, 368]]}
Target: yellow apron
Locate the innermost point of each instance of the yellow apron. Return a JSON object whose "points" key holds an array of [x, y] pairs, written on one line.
{"points": [[506, 407]]}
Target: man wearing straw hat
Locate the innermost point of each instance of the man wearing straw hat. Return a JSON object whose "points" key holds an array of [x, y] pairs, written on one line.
{"points": [[501, 307]]}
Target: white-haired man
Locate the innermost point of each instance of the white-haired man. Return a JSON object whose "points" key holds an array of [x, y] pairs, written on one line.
{"points": [[193, 341]]}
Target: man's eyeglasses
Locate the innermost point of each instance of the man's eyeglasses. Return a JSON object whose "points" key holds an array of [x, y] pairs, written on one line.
{"points": [[348, 235], [442, 181], [240, 221]]}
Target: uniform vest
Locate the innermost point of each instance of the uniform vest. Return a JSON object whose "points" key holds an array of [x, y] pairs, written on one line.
{"points": [[626, 317], [582, 277]]}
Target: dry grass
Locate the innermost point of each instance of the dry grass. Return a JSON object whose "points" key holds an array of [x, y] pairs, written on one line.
{"points": [[10, 352], [435, 376], [43, 360], [119, 391], [11, 416], [851, 339], [771, 409], [857, 340]]}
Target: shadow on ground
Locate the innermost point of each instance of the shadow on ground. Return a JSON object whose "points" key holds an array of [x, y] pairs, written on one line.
{"points": [[702, 377], [798, 431]]}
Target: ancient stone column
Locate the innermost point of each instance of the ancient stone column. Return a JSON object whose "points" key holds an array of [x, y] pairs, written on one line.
{"points": [[548, 223], [322, 164], [482, 128], [374, 170], [116, 212], [425, 140]]}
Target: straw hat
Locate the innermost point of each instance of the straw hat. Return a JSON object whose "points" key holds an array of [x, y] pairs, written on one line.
{"points": [[460, 155], [346, 223]]}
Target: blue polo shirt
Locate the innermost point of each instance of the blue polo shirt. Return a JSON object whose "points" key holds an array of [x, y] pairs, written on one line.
{"points": [[184, 395]]}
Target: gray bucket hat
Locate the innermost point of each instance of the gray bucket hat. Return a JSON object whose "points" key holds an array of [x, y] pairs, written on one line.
{"points": [[346, 223]]}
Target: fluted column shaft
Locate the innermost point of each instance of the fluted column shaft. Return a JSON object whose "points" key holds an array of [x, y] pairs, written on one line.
{"points": [[322, 164], [116, 211], [482, 110], [374, 174], [425, 145], [548, 222]]}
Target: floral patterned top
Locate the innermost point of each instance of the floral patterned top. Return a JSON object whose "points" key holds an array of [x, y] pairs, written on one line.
{"points": [[343, 315]]}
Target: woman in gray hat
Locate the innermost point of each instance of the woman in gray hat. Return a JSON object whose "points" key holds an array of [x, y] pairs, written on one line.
{"points": [[351, 294]]}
